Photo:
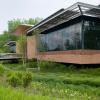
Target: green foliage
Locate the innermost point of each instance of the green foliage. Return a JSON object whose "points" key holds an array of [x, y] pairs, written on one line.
{"points": [[27, 78], [74, 83], [8, 93], [60, 90], [22, 47], [32, 21], [14, 66], [51, 66], [2, 69], [31, 63], [19, 78], [14, 78], [13, 24], [4, 38], [22, 44]]}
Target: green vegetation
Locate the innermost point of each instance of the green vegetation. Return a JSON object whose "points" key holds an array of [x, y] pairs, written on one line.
{"points": [[8, 93], [19, 78], [4, 38], [26, 79], [1, 69], [22, 47], [13, 24], [14, 79], [54, 82]]}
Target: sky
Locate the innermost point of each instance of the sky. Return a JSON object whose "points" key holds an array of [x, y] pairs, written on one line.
{"points": [[13, 9]]}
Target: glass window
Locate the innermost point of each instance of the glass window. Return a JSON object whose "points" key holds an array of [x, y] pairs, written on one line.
{"points": [[72, 37], [52, 41], [68, 38], [92, 35], [42, 43]]}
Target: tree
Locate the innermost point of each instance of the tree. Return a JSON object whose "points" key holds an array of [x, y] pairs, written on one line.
{"points": [[21, 43], [4, 38], [36, 32], [13, 24]]}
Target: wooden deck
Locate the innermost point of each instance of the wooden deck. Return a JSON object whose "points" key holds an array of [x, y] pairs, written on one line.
{"points": [[9, 56]]}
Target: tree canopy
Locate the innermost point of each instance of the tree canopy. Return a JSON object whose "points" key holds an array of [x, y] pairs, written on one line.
{"points": [[13, 24]]}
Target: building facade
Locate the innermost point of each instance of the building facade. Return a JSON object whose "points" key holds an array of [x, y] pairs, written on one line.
{"points": [[20, 31], [70, 35]]}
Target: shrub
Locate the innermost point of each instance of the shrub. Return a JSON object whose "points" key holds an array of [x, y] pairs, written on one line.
{"points": [[19, 78], [27, 78], [14, 80], [2, 69], [9, 73]]}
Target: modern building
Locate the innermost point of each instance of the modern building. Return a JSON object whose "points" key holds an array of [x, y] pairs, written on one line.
{"points": [[70, 35], [13, 46], [20, 30]]}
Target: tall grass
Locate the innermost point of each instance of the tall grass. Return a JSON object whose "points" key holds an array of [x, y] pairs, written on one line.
{"points": [[59, 81], [18, 94], [8, 93]]}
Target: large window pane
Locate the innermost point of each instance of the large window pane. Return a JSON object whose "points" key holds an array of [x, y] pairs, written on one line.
{"points": [[52, 41], [92, 35], [72, 37], [68, 38], [42, 43]]}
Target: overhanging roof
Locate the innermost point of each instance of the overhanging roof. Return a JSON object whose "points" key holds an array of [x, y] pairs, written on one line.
{"points": [[22, 29], [64, 15]]}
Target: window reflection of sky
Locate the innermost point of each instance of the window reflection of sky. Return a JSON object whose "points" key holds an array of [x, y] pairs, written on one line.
{"points": [[62, 39]]}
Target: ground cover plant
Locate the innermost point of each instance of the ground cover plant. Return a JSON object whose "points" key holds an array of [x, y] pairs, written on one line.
{"points": [[57, 81]]}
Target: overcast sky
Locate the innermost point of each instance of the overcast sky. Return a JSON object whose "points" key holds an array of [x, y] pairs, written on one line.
{"points": [[13, 9]]}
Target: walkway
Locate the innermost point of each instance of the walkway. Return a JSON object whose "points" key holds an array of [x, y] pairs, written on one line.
{"points": [[9, 56]]}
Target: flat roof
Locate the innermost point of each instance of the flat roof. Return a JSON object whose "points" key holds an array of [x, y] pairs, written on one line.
{"points": [[23, 28], [64, 15]]}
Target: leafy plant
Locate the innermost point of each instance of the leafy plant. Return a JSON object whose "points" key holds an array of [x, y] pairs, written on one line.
{"points": [[27, 78], [14, 78], [32, 63], [2, 69], [19, 78]]}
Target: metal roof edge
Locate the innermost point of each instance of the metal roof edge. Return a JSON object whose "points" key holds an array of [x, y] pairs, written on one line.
{"points": [[69, 8]]}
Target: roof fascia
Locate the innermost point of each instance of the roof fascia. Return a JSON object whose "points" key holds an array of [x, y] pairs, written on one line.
{"points": [[69, 8]]}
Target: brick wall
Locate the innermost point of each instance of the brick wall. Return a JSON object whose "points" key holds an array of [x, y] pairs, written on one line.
{"points": [[31, 47], [70, 56]]}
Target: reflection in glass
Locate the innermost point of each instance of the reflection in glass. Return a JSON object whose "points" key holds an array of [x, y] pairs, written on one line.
{"points": [[92, 35], [68, 38]]}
